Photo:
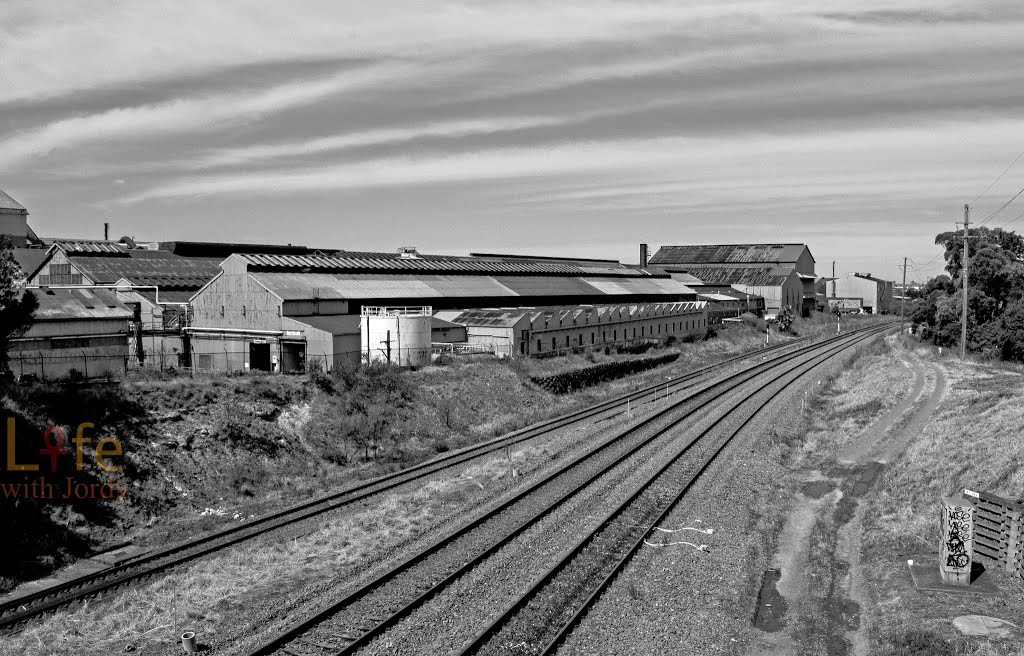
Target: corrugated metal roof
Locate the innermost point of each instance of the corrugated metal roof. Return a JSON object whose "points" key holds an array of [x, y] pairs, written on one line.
{"points": [[339, 324], [8, 203], [439, 264], [71, 246], [148, 268], [29, 259], [753, 276], [726, 253], [61, 304]]}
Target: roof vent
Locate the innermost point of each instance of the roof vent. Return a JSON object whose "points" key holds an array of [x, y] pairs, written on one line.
{"points": [[408, 252]]}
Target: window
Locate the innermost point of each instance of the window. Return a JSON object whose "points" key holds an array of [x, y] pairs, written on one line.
{"points": [[615, 335], [222, 310], [554, 345], [539, 349], [591, 338], [278, 310], [243, 310], [567, 341], [641, 331], [634, 332]]}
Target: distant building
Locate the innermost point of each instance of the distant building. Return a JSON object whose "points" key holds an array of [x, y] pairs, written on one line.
{"points": [[13, 220], [73, 329], [875, 293], [781, 273], [544, 331], [311, 304]]}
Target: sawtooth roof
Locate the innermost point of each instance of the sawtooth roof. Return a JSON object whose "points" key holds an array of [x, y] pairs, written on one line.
{"points": [[727, 253]]}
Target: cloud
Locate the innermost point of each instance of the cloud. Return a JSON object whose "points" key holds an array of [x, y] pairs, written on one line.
{"points": [[707, 170], [190, 114]]}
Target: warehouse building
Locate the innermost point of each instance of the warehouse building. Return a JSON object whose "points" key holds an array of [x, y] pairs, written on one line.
{"points": [[299, 308], [73, 330], [781, 273], [13, 220], [875, 294], [542, 331]]}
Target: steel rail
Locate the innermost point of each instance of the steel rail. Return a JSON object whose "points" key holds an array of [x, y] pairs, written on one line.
{"points": [[551, 573], [381, 624], [18, 610]]}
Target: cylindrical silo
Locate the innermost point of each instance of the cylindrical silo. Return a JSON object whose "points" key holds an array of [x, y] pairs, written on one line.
{"points": [[400, 335]]}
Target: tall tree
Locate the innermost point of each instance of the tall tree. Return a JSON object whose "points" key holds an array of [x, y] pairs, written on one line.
{"points": [[16, 304]]}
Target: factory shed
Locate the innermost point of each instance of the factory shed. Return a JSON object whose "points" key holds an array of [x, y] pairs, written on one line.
{"points": [[13, 220], [782, 273], [83, 330], [258, 296], [876, 294], [778, 286], [554, 330]]}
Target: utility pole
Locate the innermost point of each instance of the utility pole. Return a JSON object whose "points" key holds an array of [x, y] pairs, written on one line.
{"points": [[833, 278], [963, 321], [903, 294]]}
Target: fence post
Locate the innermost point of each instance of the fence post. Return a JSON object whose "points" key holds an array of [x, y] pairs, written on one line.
{"points": [[1013, 541]]}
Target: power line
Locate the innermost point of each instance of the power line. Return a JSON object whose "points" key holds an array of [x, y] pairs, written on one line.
{"points": [[999, 177], [1003, 207]]}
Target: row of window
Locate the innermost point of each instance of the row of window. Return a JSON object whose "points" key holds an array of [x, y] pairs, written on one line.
{"points": [[683, 325]]}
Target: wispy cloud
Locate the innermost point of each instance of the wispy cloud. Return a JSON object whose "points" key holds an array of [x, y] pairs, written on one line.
{"points": [[190, 114]]}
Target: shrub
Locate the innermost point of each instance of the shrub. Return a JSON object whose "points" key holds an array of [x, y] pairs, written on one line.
{"points": [[580, 378]]}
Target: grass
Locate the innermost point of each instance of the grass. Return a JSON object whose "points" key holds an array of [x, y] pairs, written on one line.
{"points": [[968, 443], [212, 596]]}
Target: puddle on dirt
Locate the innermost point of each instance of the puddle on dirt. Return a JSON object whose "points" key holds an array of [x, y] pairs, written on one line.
{"points": [[771, 606], [867, 478], [817, 489], [846, 614]]}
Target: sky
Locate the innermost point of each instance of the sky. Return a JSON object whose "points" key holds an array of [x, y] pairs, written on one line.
{"points": [[860, 128]]}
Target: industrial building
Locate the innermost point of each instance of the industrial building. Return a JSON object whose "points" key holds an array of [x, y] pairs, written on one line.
{"points": [[783, 274], [727, 303], [84, 330], [309, 307], [875, 294], [13, 220], [542, 331]]}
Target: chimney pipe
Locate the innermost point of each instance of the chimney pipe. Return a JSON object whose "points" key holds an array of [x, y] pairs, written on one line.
{"points": [[106, 232], [643, 256]]}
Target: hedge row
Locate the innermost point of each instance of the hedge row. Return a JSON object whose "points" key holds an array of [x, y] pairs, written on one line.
{"points": [[580, 378]]}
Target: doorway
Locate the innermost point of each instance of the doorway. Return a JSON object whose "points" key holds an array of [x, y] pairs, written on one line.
{"points": [[259, 356]]}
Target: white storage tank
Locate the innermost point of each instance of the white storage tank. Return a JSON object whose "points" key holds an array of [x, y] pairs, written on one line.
{"points": [[400, 335]]}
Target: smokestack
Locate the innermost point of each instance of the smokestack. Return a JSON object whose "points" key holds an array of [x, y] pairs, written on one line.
{"points": [[643, 256], [106, 232]]}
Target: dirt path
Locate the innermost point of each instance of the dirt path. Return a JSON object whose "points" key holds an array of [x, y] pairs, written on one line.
{"points": [[821, 585]]}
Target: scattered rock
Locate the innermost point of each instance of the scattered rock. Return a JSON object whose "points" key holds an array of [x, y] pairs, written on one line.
{"points": [[982, 625]]}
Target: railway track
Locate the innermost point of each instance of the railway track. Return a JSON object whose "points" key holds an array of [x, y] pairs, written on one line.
{"points": [[366, 613], [14, 612]]}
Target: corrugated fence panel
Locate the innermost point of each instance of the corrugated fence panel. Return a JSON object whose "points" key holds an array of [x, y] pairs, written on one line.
{"points": [[997, 530]]}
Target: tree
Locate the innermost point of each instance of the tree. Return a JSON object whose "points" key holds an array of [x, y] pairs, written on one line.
{"points": [[16, 304], [785, 319]]}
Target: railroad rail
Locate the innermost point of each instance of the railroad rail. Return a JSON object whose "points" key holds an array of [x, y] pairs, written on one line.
{"points": [[351, 623], [621, 533], [14, 612]]}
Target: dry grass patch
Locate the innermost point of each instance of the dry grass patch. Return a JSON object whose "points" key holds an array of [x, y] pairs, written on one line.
{"points": [[213, 596], [973, 441]]}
